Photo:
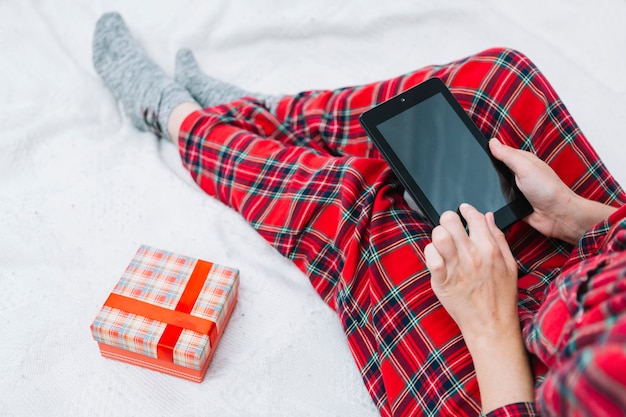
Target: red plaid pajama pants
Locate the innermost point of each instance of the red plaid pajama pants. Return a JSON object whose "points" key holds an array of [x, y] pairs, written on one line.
{"points": [[312, 184]]}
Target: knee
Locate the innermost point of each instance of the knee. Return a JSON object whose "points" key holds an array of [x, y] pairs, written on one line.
{"points": [[507, 59], [488, 70]]}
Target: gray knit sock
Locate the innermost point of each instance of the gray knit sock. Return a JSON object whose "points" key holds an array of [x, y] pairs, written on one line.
{"points": [[147, 93], [209, 91]]}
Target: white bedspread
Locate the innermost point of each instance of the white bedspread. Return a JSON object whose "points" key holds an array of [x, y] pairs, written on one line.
{"points": [[80, 189]]}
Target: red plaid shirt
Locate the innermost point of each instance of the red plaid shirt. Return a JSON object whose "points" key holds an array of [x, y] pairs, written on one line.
{"points": [[311, 183], [578, 336]]}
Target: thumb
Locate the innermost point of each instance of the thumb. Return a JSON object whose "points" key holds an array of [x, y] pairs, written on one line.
{"points": [[516, 159]]}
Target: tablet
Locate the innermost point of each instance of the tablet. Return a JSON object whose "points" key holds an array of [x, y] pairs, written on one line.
{"points": [[440, 155]]}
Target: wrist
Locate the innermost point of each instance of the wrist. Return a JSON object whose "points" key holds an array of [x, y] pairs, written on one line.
{"points": [[502, 368], [496, 339], [582, 215]]}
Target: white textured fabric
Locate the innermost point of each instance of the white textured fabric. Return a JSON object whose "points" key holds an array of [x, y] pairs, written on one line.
{"points": [[80, 189]]}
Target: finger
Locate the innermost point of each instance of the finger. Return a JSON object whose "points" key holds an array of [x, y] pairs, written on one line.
{"points": [[442, 241], [435, 263], [499, 237], [495, 231], [476, 223], [451, 222]]}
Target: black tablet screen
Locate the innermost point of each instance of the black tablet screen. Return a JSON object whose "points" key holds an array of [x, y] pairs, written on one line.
{"points": [[443, 157]]}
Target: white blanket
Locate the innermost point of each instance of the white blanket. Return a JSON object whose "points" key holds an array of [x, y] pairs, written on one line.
{"points": [[80, 189]]}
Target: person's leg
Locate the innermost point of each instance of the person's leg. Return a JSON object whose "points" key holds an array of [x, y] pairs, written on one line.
{"points": [[324, 120], [146, 92]]}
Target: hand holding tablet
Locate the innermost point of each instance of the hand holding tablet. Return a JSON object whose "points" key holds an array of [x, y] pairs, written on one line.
{"points": [[441, 157]]}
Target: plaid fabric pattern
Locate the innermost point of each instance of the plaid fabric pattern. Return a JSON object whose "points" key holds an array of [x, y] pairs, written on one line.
{"points": [[311, 183], [514, 410], [156, 277], [128, 331], [214, 301], [159, 277], [217, 296], [580, 330], [192, 349]]}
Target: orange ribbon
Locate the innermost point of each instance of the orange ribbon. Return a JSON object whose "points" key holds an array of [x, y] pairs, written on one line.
{"points": [[177, 319]]}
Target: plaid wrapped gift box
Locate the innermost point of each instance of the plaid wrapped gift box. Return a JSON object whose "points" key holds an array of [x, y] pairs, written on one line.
{"points": [[167, 313]]}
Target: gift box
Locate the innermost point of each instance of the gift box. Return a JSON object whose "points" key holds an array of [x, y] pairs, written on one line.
{"points": [[167, 313]]}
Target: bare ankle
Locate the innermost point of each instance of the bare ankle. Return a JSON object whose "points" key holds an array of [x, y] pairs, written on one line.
{"points": [[177, 116]]}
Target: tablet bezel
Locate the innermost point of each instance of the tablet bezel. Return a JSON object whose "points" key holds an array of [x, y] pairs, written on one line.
{"points": [[515, 210]]}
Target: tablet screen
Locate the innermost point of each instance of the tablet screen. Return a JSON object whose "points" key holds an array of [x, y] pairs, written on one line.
{"points": [[443, 157]]}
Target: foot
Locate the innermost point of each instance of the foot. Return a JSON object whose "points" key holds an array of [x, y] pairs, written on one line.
{"points": [[147, 93], [209, 91]]}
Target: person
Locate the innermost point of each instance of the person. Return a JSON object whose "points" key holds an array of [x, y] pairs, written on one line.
{"points": [[440, 322]]}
